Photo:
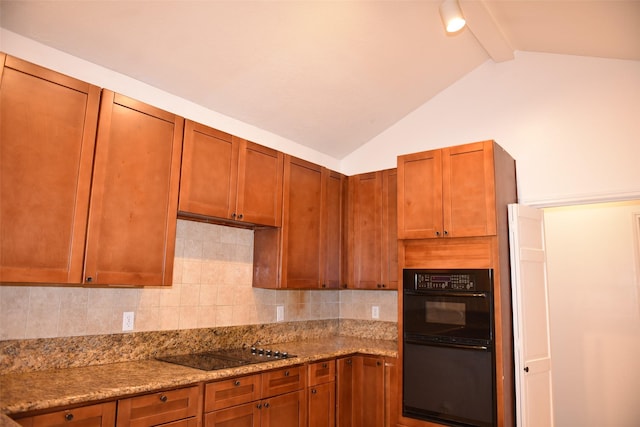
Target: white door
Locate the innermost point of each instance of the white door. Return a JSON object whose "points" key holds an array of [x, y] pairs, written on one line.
{"points": [[530, 317]]}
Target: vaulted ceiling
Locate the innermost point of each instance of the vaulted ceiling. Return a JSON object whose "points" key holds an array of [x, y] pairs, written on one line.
{"points": [[326, 74]]}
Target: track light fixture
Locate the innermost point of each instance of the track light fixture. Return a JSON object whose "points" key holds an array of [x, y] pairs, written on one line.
{"points": [[452, 16]]}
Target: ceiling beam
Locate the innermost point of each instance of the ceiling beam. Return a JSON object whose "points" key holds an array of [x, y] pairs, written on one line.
{"points": [[486, 30]]}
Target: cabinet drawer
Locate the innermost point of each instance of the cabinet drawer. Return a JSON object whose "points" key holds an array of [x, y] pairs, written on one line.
{"points": [[322, 372], [283, 380], [101, 415], [159, 408], [222, 394], [247, 415]]}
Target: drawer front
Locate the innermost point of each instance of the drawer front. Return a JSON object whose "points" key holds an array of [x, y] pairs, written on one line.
{"points": [[101, 415], [322, 372], [236, 391], [284, 380], [159, 408]]}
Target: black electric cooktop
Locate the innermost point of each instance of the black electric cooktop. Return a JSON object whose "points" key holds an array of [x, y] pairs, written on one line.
{"points": [[224, 359]]}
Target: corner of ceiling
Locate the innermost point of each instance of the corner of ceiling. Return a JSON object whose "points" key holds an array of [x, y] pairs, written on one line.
{"points": [[486, 30]]}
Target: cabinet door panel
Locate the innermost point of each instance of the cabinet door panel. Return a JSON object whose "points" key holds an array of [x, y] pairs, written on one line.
{"points": [[345, 392], [287, 410], [133, 209], [247, 415], [301, 224], [390, 229], [420, 195], [209, 172], [333, 230], [369, 398], [365, 194], [322, 405], [47, 137], [260, 173], [469, 190]]}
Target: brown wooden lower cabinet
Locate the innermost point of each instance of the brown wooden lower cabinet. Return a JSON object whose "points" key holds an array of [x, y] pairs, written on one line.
{"points": [[321, 394], [363, 392], [99, 415], [273, 398]]}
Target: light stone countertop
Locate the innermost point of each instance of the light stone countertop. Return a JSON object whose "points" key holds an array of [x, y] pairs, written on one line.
{"points": [[41, 390]]}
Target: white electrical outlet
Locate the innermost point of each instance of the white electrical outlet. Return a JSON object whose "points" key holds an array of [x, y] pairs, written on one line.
{"points": [[375, 312], [279, 313], [127, 321]]}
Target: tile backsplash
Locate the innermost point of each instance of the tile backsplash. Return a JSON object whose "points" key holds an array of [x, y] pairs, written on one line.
{"points": [[211, 288]]}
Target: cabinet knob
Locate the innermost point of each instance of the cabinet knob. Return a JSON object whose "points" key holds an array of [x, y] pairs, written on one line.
{"points": [[438, 233], [240, 216], [314, 391], [446, 233], [344, 285], [68, 416], [324, 285], [259, 406], [325, 366], [526, 369], [163, 398], [233, 215], [349, 362], [89, 279], [266, 405], [286, 373], [236, 383]]}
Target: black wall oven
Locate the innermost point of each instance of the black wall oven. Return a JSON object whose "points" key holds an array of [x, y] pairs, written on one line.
{"points": [[448, 347]]}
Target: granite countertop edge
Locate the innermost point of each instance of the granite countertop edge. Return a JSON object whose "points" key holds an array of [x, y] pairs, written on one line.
{"points": [[42, 390]]}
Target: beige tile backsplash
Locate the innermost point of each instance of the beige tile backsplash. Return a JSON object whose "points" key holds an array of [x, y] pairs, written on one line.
{"points": [[211, 287]]}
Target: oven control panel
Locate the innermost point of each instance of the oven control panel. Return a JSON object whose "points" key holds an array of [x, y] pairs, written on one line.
{"points": [[448, 280]]}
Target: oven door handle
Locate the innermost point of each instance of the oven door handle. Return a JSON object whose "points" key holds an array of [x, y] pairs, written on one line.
{"points": [[451, 294], [448, 344]]}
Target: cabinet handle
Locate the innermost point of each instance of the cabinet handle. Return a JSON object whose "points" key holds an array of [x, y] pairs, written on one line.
{"points": [[68, 416], [526, 369], [163, 398], [236, 383]]}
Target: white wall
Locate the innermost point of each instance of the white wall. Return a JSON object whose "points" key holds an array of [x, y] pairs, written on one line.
{"points": [[594, 287], [572, 124]]}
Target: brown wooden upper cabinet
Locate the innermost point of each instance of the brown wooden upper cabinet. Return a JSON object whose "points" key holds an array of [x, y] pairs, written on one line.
{"points": [[450, 192], [373, 242], [229, 178], [134, 196], [307, 251], [47, 136]]}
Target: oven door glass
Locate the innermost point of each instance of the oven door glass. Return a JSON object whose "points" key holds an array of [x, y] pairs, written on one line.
{"points": [[459, 317], [452, 385]]}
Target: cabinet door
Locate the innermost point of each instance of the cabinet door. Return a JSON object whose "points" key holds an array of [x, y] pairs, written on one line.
{"points": [[345, 392], [101, 415], [333, 230], [247, 415], [322, 405], [159, 408], [389, 279], [469, 198], [134, 198], [260, 174], [420, 195], [368, 400], [47, 138], [209, 172], [365, 199], [301, 241], [286, 410]]}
